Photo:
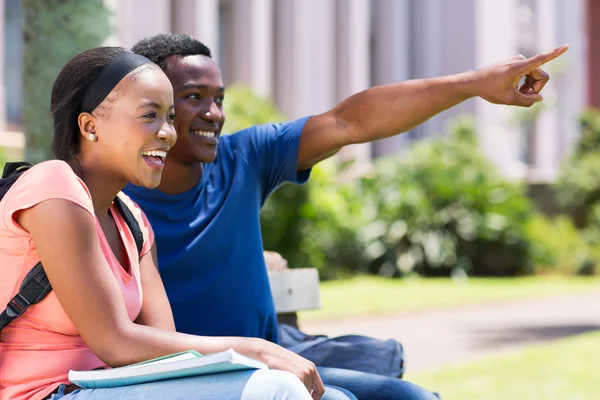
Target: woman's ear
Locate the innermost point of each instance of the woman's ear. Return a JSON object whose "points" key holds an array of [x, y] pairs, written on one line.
{"points": [[87, 126]]}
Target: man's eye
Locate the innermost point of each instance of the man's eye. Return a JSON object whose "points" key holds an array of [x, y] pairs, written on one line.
{"points": [[220, 100], [193, 96]]}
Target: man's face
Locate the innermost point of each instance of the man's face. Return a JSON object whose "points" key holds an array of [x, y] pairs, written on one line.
{"points": [[199, 118]]}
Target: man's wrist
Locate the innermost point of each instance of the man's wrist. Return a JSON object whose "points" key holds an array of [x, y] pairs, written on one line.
{"points": [[467, 83]]}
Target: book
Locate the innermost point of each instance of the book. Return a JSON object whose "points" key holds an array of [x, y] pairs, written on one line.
{"points": [[178, 365]]}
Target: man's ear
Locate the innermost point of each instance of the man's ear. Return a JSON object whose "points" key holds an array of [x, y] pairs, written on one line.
{"points": [[87, 126]]}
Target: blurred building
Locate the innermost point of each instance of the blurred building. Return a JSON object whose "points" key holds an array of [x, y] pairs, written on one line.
{"points": [[309, 54]]}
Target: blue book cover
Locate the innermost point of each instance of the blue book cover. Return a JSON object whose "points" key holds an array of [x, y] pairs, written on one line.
{"points": [[180, 365]]}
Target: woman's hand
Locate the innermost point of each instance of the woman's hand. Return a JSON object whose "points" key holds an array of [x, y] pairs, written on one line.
{"points": [[276, 357]]}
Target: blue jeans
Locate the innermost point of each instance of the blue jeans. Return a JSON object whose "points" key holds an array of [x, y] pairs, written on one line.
{"points": [[373, 387], [242, 385]]}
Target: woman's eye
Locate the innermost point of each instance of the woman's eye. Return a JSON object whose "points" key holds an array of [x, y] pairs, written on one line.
{"points": [[171, 118], [150, 115]]}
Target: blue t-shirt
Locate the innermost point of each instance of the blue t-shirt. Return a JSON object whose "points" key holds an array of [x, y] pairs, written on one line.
{"points": [[210, 250]]}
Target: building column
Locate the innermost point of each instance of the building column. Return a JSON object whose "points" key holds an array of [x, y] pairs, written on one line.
{"points": [[426, 54], [250, 48], [2, 58], [571, 76], [139, 19], [391, 57], [593, 47], [304, 56], [199, 19], [496, 127], [353, 69], [546, 140]]}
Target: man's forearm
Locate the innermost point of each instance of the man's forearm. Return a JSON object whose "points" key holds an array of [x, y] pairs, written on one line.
{"points": [[388, 110]]}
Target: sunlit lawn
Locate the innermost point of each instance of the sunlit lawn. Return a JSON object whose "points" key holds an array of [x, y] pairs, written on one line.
{"points": [[563, 370], [371, 295]]}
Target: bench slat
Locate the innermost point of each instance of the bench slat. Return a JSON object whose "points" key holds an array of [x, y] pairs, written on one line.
{"points": [[295, 289]]}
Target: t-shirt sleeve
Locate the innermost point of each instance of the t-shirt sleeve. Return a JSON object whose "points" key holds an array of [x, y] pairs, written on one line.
{"points": [[273, 149], [140, 216], [48, 180]]}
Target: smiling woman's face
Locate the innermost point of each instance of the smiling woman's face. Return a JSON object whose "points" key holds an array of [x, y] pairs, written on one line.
{"points": [[199, 94], [134, 127]]}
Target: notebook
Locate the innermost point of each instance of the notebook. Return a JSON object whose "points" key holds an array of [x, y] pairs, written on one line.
{"points": [[179, 365]]}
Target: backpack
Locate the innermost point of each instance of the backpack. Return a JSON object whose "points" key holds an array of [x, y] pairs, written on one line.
{"points": [[35, 286], [354, 352]]}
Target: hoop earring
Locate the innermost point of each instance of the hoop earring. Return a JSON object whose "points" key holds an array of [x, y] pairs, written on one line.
{"points": [[92, 137]]}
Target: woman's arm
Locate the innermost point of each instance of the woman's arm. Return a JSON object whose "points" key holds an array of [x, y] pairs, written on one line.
{"points": [[156, 310], [67, 242]]}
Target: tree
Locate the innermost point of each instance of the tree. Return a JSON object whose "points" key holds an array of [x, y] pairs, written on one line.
{"points": [[54, 31]]}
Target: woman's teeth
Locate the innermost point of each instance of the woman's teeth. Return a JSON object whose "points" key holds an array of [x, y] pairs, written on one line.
{"points": [[204, 133], [155, 153]]}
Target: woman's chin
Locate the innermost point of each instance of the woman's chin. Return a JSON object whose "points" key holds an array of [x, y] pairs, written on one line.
{"points": [[149, 182]]}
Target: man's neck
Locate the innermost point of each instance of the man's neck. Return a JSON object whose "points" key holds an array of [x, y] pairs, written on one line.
{"points": [[179, 178]]}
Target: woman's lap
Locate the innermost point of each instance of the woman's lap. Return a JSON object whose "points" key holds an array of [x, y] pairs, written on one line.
{"points": [[242, 385]]}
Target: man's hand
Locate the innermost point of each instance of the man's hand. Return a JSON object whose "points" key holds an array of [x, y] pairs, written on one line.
{"points": [[274, 261], [499, 83]]}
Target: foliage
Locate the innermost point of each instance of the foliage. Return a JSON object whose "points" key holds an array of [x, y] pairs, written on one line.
{"points": [[558, 247], [578, 186], [54, 31], [442, 208], [315, 224], [244, 108]]}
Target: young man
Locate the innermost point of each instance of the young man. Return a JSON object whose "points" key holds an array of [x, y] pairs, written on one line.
{"points": [[205, 212]]}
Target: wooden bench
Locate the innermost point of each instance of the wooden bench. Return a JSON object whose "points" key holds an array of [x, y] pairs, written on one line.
{"points": [[294, 290]]}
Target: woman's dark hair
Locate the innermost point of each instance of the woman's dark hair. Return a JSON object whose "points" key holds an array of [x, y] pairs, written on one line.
{"points": [[67, 94]]}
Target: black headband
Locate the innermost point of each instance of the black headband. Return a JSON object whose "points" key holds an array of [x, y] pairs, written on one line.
{"points": [[110, 77]]}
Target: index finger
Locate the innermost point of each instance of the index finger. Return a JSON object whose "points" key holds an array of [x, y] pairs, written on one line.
{"points": [[542, 58], [318, 386]]}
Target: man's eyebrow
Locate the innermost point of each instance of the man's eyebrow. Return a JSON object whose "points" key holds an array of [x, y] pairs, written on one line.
{"points": [[200, 87]]}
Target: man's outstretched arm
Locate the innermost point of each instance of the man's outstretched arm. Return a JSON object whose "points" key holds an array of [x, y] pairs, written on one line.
{"points": [[388, 110]]}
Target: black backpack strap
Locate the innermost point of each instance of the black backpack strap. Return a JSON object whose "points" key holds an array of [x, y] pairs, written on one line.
{"points": [[11, 168], [131, 222], [34, 288]]}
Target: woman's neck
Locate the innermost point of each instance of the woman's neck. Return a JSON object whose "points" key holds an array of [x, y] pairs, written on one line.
{"points": [[102, 186]]}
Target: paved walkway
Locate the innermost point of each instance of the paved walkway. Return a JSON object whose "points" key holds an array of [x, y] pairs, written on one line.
{"points": [[444, 337]]}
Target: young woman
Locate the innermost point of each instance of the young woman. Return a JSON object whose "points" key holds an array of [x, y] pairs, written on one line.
{"points": [[113, 124]]}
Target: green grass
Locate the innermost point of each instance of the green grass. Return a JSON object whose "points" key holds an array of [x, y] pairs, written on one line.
{"points": [[371, 295], [563, 370]]}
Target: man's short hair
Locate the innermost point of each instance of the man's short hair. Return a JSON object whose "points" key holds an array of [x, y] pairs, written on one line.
{"points": [[160, 47]]}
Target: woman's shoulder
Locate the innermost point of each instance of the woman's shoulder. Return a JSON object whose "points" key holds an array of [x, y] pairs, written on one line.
{"points": [[44, 181]]}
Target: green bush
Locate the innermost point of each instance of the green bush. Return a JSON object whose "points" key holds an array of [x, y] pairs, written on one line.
{"points": [[244, 108], [315, 224], [559, 248], [442, 208]]}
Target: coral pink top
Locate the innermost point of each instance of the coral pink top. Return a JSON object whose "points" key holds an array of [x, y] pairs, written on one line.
{"points": [[38, 349]]}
